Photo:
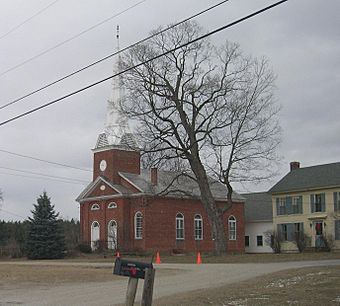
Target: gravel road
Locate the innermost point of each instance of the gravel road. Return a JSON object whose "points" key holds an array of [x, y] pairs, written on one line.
{"points": [[170, 279]]}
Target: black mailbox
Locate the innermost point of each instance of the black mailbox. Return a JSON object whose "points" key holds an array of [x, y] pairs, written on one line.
{"points": [[131, 268]]}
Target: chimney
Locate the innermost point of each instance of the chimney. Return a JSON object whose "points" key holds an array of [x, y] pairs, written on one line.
{"points": [[294, 165], [154, 176]]}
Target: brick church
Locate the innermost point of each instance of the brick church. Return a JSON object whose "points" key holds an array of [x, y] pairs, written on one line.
{"points": [[125, 208]]}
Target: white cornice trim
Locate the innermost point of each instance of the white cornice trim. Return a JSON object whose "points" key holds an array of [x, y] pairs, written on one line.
{"points": [[93, 185], [115, 147]]}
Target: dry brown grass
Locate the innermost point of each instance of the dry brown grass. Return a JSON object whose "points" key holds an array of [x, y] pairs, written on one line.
{"points": [[32, 275], [209, 258], [305, 287]]}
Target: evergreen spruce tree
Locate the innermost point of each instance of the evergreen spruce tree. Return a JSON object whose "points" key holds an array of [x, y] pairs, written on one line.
{"points": [[46, 238]]}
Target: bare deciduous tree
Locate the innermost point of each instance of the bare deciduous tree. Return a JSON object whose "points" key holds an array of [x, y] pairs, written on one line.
{"points": [[204, 110]]}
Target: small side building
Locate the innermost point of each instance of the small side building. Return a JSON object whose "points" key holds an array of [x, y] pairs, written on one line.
{"points": [[259, 222]]}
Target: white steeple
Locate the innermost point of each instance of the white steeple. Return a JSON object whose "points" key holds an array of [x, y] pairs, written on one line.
{"points": [[116, 123]]}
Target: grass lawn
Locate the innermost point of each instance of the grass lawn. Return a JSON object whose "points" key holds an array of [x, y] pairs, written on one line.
{"points": [[209, 258], [305, 287]]}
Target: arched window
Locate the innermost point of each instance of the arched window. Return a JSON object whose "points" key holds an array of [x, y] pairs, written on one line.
{"points": [[198, 221], [232, 228], [95, 207], [112, 205], [95, 235], [138, 225], [179, 226], [112, 235]]}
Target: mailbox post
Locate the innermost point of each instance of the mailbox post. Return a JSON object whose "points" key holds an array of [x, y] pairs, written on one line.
{"points": [[136, 270]]}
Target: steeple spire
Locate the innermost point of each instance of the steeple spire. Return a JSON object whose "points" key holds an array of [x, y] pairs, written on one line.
{"points": [[116, 123]]}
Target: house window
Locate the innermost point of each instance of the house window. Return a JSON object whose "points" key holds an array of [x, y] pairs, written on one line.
{"points": [[138, 225], [232, 228], [297, 205], [246, 241], [282, 230], [289, 205], [336, 196], [179, 226], [95, 207], [198, 227], [337, 229], [290, 231], [317, 202], [259, 240], [112, 205], [281, 206]]}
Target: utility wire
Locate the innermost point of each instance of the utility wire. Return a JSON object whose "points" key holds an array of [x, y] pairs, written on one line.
{"points": [[45, 161], [41, 178], [45, 175], [143, 63], [113, 54], [11, 213], [28, 19], [68, 40]]}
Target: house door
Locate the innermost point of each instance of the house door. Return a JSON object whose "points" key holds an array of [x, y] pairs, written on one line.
{"points": [[318, 230], [112, 235], [94, 235]]}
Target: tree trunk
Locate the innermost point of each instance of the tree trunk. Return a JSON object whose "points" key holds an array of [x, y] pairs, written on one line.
{"points": [[215, 214]]}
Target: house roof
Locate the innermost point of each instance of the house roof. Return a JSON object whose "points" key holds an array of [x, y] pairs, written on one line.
{"points": [[320, 176], [175, 184], [258, 207]]}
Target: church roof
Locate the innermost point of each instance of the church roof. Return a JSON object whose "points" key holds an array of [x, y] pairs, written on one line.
{"points": [[176, 184], [170, 184]]}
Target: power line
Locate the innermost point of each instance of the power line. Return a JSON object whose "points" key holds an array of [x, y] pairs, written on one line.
{"points": [[68, 40], [45, 161], [40, 178], [113, 54], [143, 63], [11, 213], [28, 19], [45, 175]]}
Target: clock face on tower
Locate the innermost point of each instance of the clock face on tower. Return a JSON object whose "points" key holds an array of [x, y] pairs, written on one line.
{"points": [[102, 165]]}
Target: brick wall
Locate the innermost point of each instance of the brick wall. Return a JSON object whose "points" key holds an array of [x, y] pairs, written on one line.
{"points": [[117, 160], [159, 224]]}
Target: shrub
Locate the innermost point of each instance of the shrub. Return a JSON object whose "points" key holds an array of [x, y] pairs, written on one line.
{"points": [[84, 248]]}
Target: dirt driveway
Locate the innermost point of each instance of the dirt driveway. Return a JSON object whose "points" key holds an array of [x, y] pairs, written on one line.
{"points": [[170, 279]]}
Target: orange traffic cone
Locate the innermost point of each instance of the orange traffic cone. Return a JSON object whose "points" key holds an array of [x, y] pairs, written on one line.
{"points": [[199, 261], [158, 258], [117, 254]]}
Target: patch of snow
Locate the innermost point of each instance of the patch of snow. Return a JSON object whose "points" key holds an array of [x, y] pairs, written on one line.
{"points": [[281, 283], [239, 302]]}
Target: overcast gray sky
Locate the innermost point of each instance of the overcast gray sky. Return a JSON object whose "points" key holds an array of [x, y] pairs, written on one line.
{"points": [[300, 38]]}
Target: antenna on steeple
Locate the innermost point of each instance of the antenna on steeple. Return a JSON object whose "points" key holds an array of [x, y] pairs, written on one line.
{"points": [[116, 129]]}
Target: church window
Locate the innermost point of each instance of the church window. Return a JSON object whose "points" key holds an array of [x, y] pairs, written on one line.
{"points": [[232, 228], [198, 227], [138, 225], [112, 205], [95, 207], [179, 226]]}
